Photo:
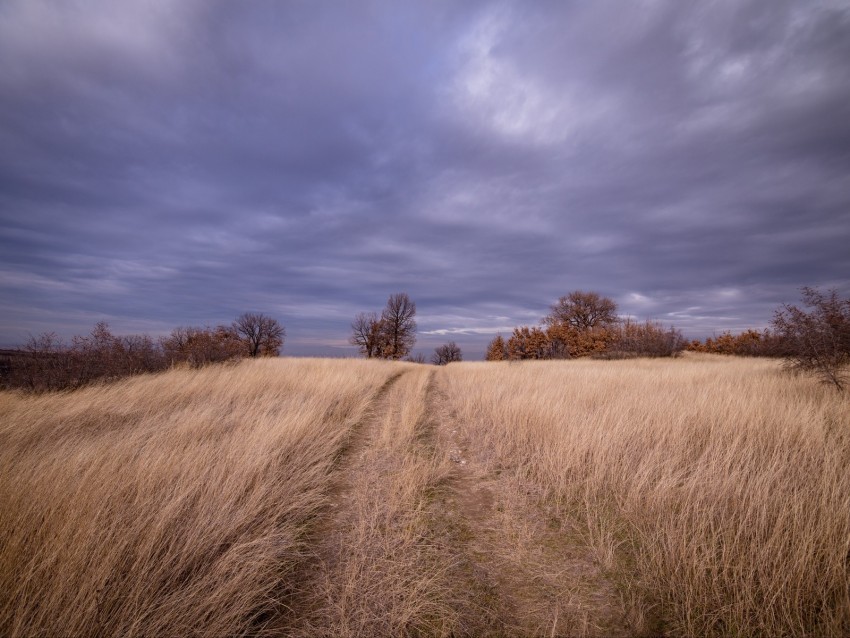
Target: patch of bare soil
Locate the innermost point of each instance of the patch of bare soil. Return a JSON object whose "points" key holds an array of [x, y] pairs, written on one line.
{"points": [[531, 573]]}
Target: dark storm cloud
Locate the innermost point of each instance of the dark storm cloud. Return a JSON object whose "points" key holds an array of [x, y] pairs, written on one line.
{"points": [[179, 163]]}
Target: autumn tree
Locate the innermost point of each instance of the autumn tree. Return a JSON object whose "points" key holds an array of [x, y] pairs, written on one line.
{"points": [[447, 353], [140, 354], [566, 341], [528, 343], [262, 335], [817, 340], [580, 324], [390, 336], [497, 350], [96, 353], [749, 343], [583, 311], [367, 334]]}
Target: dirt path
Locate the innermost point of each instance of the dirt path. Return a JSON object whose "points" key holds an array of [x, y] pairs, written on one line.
{"points": [[530, 573], [360, 436], [376, 570], [422, 537], [302, 615]]}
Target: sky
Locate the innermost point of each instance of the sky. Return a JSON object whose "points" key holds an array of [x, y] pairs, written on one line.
{"points": [[168, 163]]}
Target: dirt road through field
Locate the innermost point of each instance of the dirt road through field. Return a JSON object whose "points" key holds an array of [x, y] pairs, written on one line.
{"points": [[422, 534], [376, 569]]}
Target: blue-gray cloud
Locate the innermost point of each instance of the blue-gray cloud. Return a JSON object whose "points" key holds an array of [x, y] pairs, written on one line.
{"points": [[179, 163]]}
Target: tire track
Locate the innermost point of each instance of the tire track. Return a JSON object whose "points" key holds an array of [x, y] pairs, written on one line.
{"points": [[374, 569], [530, 573], [358, 432], [358, 438], [329, 522]]}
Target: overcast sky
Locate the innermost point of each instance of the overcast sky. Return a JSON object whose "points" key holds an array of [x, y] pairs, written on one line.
{"points": [[172, 163]]}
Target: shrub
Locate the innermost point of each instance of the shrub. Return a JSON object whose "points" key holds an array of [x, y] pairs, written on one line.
{"points": [[818, 340], [648, 339], [446, 354], [497, 349]]}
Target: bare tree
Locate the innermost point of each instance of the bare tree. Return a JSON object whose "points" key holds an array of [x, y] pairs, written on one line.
{"points": [[367, 334], [817, 341], [262, 335], [446, 354], [398, 326], [583, 311]]}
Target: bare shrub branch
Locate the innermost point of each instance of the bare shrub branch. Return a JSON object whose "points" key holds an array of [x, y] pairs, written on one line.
{"points": [[817, 340]]}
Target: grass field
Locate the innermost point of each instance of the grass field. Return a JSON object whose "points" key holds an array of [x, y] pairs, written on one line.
{"points": [[698, 496]]}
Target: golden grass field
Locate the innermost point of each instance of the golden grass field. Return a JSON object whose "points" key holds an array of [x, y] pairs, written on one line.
{"points": [[700, 496]]}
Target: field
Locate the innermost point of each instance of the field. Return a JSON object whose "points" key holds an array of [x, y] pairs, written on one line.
{"points": [[698, 496]]}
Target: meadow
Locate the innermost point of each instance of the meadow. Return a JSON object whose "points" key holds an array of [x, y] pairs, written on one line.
{"points": [[699, 496]]}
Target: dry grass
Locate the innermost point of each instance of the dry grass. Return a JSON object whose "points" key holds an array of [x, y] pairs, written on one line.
{"points": [[317, 498], [171, 504], [716, 491], [380, 570]]}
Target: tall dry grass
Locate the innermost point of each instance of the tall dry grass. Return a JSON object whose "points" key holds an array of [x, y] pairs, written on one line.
{"points": [[298, 496], [716, 491], [381, 571], [169, 504]]}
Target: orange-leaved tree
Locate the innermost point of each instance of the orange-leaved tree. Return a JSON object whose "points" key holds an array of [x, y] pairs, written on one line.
{"points": [[497, 350]]}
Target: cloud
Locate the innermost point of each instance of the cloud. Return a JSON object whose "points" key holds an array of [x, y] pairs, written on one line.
{"points": [[172, 164]]}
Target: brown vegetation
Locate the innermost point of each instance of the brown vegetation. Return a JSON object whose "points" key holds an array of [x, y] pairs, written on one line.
{"points": [[497, 349], [367, 334], [201, 346], [817, 341], [714, 491], [47, 363], [648, 339], [391, 336], [697, 496], [261, 334], [585, 324], [170, 504], [446, 353], [749, 343], [583, 311]]}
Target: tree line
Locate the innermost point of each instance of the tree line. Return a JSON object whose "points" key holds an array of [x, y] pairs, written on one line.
{"points": [[46, 362], [813, 338], [586, 324]]}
